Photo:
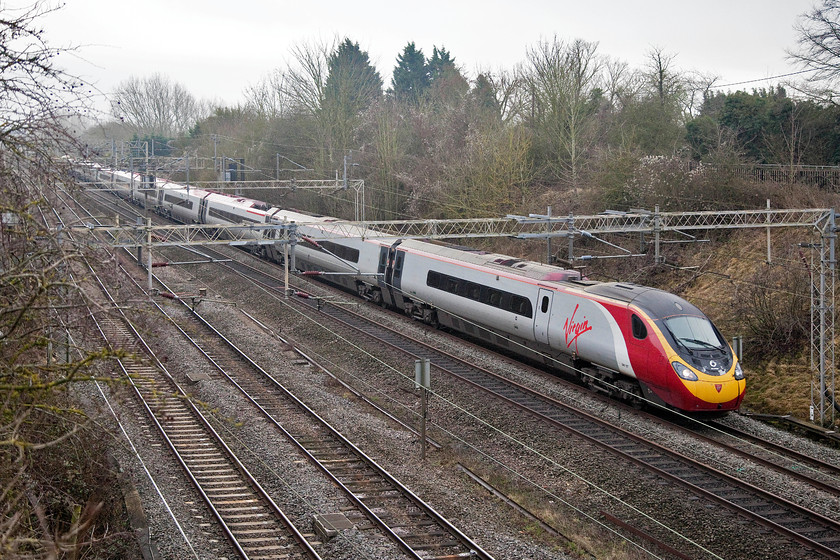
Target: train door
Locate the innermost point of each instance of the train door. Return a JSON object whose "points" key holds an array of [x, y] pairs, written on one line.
{"points": [[639, 347], [396, 277], [542, 316], [134, 190], [387, 266], [268, 233], [202, 210], [273, 251]]}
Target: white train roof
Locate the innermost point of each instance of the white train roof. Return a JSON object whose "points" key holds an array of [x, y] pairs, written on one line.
{"points": [[502, 263]]}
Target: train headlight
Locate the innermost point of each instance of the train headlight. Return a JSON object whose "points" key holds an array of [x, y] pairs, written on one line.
{"points": [[739, 373], [684, 371]]}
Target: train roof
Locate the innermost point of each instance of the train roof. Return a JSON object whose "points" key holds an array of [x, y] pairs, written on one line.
{"points": [[620, 291], [502, 263], [659, 304]]}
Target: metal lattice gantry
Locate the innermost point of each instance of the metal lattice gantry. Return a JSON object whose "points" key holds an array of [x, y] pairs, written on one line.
{"points": [[563, 226], [823, 405], [529, 227], [143, 234]]}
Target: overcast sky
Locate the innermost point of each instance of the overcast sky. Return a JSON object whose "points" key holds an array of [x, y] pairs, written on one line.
{"points": [[217, 48]]}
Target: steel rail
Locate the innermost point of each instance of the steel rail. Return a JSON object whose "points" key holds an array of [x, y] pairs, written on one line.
{"points": [[827, 525], [244, 540], [469, 547]]}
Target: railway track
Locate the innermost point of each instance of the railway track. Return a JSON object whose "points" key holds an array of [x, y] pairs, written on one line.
{"points": [[793, 424], [420, 531], [812, 530], [255, 526], [810, 470]]}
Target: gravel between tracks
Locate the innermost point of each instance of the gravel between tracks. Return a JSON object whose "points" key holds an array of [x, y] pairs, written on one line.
{"points": [[570, 481]]}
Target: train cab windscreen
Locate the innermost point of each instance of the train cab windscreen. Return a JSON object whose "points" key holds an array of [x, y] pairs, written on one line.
{"points": [[694, 333]]}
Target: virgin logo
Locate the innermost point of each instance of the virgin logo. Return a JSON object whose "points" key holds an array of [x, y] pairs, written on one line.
{"points": [[574, 329]]}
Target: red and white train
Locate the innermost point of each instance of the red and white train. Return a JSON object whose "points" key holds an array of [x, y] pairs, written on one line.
{"points": [[623, 339]]}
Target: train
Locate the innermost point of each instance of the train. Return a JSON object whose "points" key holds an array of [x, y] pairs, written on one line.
{"points": [[635, 343]]}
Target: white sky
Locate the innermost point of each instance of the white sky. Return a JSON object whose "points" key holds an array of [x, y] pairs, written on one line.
{"points": [[217, 48]]}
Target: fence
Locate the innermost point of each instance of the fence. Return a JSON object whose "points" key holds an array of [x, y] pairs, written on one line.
{"points": [[823, 176]]}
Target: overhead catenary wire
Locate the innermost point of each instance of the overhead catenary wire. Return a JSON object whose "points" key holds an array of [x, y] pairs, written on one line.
{"points": [[767, 78]]}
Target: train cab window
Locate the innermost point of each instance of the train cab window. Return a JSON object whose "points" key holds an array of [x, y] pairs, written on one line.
{"points": [[544, 305], [639, 329]]}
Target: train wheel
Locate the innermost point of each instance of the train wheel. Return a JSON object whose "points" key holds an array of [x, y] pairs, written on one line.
{"points": [[431, 319], [377, 298], [631, 393]]}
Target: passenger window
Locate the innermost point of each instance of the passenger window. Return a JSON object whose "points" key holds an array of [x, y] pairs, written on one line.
{"points": [[522, 306], [544, 304], [639, 329]]}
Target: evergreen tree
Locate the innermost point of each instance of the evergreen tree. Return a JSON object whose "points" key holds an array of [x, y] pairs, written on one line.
{"points": [[440, 64], [352, 81], [351, 86], [448, 87], [483, 97], [411, 75]]}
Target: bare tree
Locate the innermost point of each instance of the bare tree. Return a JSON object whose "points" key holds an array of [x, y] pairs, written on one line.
{"points": [[303, 89], [563, 80], [156, 106], [506, 91], [819, 50], [697, 87], [37, 99], [621, 85], [266, 99], [305, 81], [44, 440]]}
